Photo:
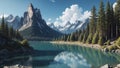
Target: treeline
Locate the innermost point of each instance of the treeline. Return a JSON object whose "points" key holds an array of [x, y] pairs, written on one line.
{"points": [[8, 31], [104, 26]]}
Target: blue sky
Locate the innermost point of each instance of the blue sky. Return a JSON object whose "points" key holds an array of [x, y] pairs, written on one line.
{"points": [[50, 9]]}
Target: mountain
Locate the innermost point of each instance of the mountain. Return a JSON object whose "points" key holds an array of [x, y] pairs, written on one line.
{"points": [[34, 26], [14, 21], [69, 27]]}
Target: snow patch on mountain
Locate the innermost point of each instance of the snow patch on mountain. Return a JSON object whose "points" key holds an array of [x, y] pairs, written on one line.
{"points": [[69, 27]]}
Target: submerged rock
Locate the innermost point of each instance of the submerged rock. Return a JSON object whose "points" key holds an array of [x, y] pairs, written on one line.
{"points": [[106, 66], [105, 50], [117, 51]]}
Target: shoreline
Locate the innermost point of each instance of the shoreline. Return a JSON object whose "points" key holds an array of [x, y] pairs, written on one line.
{"points": [[95, 46]]}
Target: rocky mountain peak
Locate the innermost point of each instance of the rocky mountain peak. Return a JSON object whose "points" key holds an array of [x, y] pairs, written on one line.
{"points": [[30, 10]]}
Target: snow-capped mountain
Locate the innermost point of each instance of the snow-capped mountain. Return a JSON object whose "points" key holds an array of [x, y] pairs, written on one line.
{"points": [[14, 21], [70, 27]]}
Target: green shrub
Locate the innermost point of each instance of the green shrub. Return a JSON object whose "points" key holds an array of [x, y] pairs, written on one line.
{"points": [[113, 47], [24, 42], [118, 42], [108, 42]]}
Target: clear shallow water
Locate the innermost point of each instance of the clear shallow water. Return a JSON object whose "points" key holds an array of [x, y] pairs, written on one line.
{"points": [[47, 55]]}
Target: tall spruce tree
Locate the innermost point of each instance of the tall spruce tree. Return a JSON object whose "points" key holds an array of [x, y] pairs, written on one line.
{"points": [[92, 25], [2, 26], [108, 21], [92, 28], [101, 22], [117, 18]]}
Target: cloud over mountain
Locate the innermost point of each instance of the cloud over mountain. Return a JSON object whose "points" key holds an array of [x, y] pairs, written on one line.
{"points": [[71, 14]]}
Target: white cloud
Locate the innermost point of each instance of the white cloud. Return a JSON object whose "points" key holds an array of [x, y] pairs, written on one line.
{"points": [[52, 1], [114, 6], [73, 13], [5, 15]]}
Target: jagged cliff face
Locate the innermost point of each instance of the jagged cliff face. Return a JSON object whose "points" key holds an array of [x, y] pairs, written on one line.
{"points": [[31, 18], [35, 26]]}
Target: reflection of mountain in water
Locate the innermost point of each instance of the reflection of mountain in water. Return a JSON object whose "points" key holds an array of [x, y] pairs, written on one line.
{"points": [[62, 56], [95, 58], [70, 59]]}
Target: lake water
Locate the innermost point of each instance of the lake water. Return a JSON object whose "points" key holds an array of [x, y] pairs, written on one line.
{"points": [[47, 55]]}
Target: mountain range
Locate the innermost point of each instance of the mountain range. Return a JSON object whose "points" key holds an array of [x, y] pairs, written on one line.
{"points": [[69, 27], [32, 25]]}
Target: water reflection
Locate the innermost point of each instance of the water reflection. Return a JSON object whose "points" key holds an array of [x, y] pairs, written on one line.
{"points": [[18, 62], [72, 60], [47, 55], [95, 58]]}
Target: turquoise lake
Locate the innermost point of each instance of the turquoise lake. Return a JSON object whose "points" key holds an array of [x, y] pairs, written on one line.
{"points": [[47, 55]]}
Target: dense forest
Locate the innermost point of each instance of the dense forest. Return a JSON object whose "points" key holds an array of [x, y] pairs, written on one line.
{"points": [[8, 31], [11, 39], [104, 26]]}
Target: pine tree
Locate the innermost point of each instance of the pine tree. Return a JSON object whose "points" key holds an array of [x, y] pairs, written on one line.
{"points": [[72, 38], [112, 24], [92, 24], [108, 21], [81, 36], [89, 39], [101, 41], [11, 32], [86, 34], [6, 30], [2, 26], [101, 22], [95, 38], [117, 18], [68, 38], [92, 28]]}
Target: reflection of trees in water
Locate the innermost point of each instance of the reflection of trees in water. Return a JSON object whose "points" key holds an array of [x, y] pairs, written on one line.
{"points": [[18, 61], [93, 56]]}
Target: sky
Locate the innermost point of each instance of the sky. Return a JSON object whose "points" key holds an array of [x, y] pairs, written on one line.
{"points": [[52, 10]]}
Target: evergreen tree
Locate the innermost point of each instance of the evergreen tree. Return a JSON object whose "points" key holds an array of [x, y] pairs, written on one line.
{"points": [[95, 38], [117, 18], [2, 26], [81, 36], [11, 32], [92, 28], [101, 19], [68, 38], [109, 21], [6, 30], [72, 38], [89, 39], [86, 34], [112, 24], [92, 24], [101, 41], [101, 22]]}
